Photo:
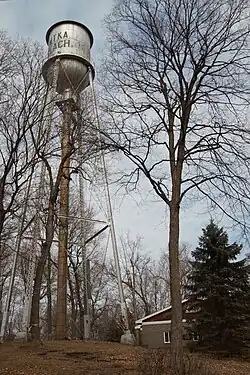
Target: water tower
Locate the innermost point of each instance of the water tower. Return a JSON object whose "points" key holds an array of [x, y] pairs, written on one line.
{"points": [[69, 44], [66, 71]]}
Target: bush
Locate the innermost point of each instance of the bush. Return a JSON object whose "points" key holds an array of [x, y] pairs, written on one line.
{"points": [[196, 366], [157, 362], [153, 362]]}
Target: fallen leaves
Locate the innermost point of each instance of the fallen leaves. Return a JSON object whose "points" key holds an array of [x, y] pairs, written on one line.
{"points": [[88, 358]]}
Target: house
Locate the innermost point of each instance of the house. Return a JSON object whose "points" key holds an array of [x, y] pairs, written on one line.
{"points": [[154, 330]]}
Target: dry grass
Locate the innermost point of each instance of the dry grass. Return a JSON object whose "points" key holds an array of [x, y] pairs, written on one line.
{"points": [[67, 357], [157, 362], [89, 358]]}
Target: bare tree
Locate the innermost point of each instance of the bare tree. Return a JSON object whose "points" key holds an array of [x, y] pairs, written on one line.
{"points": [[21, 87], [21, 111], [5, 257], [26, 144], [146, 281], [162, 272], [176, 95], [51, 157], [94, 253], [139, 277]]}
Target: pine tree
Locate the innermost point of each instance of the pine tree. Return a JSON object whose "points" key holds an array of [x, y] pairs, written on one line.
{"points": [[219, 290]]}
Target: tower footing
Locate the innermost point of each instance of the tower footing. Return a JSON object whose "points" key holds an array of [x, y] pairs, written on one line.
{"points": [[128, 338]]}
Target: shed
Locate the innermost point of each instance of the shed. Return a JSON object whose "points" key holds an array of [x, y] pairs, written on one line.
{"points": [[154, 330]]}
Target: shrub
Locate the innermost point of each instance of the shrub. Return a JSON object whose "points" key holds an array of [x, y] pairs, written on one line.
{"points": [[157, 362], [153, 362]]}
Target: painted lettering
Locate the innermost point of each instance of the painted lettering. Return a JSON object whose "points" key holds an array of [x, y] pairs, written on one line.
{"points": [[59, 40], [66, 43], [57, 36]]}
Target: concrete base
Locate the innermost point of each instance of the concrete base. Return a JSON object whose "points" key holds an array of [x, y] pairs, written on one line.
{"points": [[21, 336], [128, 338]]}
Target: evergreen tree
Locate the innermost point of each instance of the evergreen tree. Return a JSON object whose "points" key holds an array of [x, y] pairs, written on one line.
{"points": [[219, 291]]}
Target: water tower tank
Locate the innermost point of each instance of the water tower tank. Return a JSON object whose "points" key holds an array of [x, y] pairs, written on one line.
{"points": [[70, 42]]}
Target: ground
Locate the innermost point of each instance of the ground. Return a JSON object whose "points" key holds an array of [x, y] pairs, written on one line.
{"points": [[86, 358]]}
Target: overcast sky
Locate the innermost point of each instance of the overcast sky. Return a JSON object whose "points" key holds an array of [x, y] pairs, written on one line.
{"points": [[139, 216]]}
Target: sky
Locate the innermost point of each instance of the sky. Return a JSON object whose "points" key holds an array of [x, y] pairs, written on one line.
{"points": [[31, 18], [138, 215]]}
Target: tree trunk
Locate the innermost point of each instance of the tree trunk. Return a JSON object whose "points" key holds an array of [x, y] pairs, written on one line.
{"points": [[49, 300], [2, 210], [74, 333], [176, 165], [35, 307], [81, 308], [1, 302], [35, 316], [175, 288], [61, 305], [78, 297], [73, 308], [133, 293]]}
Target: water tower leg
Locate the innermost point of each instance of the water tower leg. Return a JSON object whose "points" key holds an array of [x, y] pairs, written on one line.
{"points": [[127, 337], [61, 312]]}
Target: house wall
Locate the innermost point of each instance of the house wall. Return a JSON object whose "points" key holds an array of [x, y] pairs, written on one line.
{"points": [[151, 336], [151, 333]]}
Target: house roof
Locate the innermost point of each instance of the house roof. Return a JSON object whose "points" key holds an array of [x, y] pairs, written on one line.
{"points": [[140, 321]]}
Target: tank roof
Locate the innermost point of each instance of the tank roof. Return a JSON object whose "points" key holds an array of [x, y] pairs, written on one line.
{"points": [[70, 22]]}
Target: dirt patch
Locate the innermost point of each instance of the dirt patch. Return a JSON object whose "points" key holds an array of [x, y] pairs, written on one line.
{"points": [[87, 356]]}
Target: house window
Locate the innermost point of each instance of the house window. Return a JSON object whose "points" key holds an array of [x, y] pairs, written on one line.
{"points": [[195, 336], [166, 337]]}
